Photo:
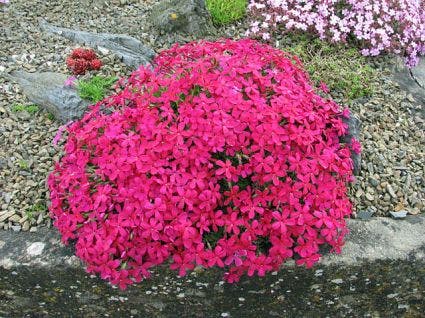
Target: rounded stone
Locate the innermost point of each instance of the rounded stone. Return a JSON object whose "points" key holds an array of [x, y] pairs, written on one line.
{"points": [[36, 248]]}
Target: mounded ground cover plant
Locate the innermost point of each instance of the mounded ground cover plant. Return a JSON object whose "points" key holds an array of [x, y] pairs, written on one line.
{"points": [[224, 11], [387, 26], [222, 154]]}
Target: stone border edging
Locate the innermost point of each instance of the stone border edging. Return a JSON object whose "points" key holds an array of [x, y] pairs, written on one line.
{"points": [[379, 238]]}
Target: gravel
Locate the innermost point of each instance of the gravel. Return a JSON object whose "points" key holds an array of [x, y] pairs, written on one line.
{"points": [[392, 177], [392, 138]]}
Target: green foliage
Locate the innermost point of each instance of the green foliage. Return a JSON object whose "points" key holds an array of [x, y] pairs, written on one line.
{"points": [[343, 70], [34, 210], [50, 116], [226, 11], [31, 109], [211, 238], [23, 164], [95, 88]]}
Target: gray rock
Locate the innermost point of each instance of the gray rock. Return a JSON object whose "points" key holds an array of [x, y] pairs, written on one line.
{"points": [[337, 281], [36, 248], [47, 90], [3, 162], [7, 197], [5, 215], [399, 215], [184, 16], [412, 80], [16, 228], [354, 126], [373, 181], [418, 73], [390, 190], [132, 52], [365, 215]]}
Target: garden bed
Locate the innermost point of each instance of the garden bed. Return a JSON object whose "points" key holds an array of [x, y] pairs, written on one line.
{"points": [[392, 135], [383, 94]]}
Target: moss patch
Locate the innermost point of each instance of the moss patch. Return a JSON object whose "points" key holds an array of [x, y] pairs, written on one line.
{"points": [[342, 69], [226, 11]]}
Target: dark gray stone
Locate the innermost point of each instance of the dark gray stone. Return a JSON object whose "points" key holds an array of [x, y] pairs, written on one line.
{"points": [[354, 126], [365, 215], [3, 162], [184, 16], [132, 52], [47, 90]]}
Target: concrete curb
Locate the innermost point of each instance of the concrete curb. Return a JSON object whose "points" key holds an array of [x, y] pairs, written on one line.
{"points": [[376, 239]]}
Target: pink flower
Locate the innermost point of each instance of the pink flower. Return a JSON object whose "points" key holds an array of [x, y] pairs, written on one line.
{"points": [[226, 168], [58, 135], [346, 113], [376, 25], [181, 167], [356, 146], [236, 257], [324, 87], [70, 81]]}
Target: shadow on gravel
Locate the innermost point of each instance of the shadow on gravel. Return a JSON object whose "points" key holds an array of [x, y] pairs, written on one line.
{"points": [[380, 289]]}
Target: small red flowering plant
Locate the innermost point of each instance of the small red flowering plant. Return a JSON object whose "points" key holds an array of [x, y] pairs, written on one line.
{"points": [[221, 154], [82, 60]]}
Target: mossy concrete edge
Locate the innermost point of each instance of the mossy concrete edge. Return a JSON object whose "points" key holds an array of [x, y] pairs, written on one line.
{"points": [[379, 238]]}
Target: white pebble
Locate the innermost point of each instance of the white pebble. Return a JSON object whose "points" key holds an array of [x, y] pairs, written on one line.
{"points": [[36, 248]]}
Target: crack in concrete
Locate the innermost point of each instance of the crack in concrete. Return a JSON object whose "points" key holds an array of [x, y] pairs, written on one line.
{"points": [[414, 78]]}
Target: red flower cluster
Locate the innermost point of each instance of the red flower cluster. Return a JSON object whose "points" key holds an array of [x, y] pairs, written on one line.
{"points": [[221, 155], [81, 60]]}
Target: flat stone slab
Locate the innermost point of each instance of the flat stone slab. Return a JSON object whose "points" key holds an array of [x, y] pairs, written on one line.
{"points": [[131, 51], [377, 239], [381, 238], [48, 91], [38, 249]]}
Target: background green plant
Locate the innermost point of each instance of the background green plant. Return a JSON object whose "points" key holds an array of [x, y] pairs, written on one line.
{"points": [[95, 88], [344, 70], [23, 164], [31, 109], [226, 11], [34, 211], [50, 116]]}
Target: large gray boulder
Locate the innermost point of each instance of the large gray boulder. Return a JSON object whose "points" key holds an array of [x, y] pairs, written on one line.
{"points": [[47, 90], [183, 16], [412, 80], [131, 51]]}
